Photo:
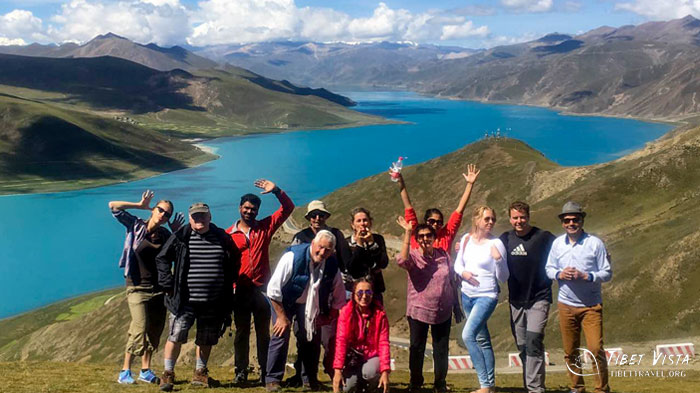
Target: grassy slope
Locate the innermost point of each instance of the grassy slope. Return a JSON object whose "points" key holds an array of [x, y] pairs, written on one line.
{"points": [[44, 147]]}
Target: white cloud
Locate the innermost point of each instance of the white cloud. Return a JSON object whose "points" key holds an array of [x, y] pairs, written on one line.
{"points": [[662, 9], [19, 24], [528, 5], [493, 41], [164, 22], [453, 32], [14, 41], [241, 21], [211, 22]]}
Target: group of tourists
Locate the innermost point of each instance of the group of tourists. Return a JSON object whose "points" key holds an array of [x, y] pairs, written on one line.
{"points": [[328, 289]]}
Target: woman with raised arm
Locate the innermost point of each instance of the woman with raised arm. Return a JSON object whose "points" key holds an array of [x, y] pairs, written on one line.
{"points": [[143, 242], [481, 263], [430, 298], [362, 355], [444, 234], [368, 251]]}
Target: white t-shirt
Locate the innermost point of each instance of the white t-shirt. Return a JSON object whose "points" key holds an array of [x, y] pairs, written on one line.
{"points": [[478, 260]]}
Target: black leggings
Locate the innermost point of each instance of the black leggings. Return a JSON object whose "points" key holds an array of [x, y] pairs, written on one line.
{"points": [[440, 334]]}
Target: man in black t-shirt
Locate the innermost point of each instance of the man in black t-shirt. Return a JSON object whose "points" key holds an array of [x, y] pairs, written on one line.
{"points": [[530, 291]]}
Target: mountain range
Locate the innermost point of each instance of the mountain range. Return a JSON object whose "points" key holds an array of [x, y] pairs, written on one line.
{"points": [[647, 71]]}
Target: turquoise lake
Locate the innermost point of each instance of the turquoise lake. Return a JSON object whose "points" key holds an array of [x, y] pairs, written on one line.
{"points": [[53, 246]]}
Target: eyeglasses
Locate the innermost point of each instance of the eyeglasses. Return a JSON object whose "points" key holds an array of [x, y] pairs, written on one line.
{"points": [[425, 235], [432, 221], [364, 292], [164, 212], [575, 220]]}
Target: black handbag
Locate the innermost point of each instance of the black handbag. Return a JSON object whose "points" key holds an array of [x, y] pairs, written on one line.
{"points": [[354, 359]]}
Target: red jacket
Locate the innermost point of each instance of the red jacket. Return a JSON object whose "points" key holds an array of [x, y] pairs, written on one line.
{"points": [[369, 336], [445, 236], [255, 256]]}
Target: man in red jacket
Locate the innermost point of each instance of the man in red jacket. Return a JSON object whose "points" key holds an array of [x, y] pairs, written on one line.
{"points": [[253, 240]]}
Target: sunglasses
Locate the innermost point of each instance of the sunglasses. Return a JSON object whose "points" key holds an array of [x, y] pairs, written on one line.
{"points": [[489, 219], [425, 235], [575, 220], [432, 221], [318, 215], [164, 212], [364, 292]]}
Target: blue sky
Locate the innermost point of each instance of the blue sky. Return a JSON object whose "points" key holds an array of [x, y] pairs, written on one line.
{"points": [[476, 23]]}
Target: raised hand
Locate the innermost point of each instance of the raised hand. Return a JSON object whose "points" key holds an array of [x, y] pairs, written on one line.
{"points": [[472, 173], [404, 224], [266, 185], [177, 221], [146, 198]]}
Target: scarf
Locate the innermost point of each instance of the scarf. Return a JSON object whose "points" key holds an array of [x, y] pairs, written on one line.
{"points": [[312, 299]]}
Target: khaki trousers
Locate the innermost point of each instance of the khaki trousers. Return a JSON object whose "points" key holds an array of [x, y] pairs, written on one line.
{"points": [[147, 319], [571, 321]]}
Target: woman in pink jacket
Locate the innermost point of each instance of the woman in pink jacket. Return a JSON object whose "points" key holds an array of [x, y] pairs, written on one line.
{"points": [[362, 355]]}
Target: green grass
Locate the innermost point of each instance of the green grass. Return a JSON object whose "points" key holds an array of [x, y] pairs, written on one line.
{"points": [[57, 377], [84, 308]]}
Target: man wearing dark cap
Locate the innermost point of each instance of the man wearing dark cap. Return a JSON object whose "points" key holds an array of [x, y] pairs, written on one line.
{"points": [[580, 263], [252, 237], [529, 291], [197, 268]]}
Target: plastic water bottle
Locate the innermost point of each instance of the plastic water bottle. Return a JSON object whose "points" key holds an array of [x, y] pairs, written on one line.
{"points": [[396, 169]]}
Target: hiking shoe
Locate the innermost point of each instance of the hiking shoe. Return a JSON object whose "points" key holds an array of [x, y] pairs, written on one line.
{"points": [[149, 376], [293, 382], [312, 386], [167, 381], [125, 377], [240, 378], [201, 378], [272, 386]]}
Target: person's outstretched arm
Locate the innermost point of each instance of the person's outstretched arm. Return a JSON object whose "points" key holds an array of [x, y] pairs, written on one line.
{"points": [[144, 204]]}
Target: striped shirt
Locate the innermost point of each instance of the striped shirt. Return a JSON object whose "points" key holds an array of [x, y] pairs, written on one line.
{"points": [[205, 278]]}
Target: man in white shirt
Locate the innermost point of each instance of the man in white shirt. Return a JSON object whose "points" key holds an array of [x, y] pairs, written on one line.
{"points": [[580, 263], [306, 285]]}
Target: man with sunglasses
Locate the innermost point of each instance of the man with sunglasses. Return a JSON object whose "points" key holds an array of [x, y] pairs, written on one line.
{"points": [[580, 263], [317, 214], [253, 238], [529, 291]]}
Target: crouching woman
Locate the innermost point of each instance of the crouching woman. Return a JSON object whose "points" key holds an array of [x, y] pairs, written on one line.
{"points": [[362, 356]]}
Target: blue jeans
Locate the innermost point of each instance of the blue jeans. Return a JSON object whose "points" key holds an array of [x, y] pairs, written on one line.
{"points": [[477, 339]]}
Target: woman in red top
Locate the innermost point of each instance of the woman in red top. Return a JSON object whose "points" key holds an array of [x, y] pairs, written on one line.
{"points": [[445, 235], [362, 355]]}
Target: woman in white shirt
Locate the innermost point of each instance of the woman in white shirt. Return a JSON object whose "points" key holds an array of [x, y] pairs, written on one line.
{"points": [[480, 262]]}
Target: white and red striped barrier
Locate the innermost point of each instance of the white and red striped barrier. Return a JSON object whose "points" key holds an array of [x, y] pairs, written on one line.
{"points": [[514, 359], [676, 349], [460, 363], [611, 354]]}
